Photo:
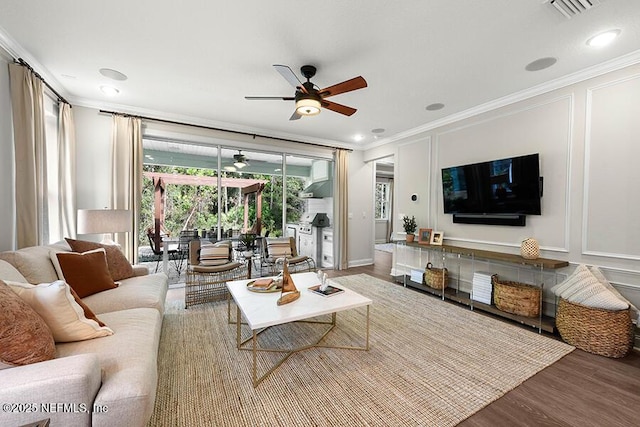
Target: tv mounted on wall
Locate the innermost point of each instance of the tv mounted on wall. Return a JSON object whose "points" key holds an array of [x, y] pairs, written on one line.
{"points": [[498, 189]]}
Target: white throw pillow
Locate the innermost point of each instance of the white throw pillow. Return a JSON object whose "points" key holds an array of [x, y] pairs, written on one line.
{"points": [[598, 274], [582, 287], [62, 314]]}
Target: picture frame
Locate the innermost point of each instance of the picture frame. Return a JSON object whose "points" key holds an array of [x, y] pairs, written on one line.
{"points": [[424, 236], [436, 238]]}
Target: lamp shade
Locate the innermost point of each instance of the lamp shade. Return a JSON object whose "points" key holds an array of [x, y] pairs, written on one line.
{"points": [[96, 221]]}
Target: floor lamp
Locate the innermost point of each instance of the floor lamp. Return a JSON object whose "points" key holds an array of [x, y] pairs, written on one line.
{"points": [[104, 221]]}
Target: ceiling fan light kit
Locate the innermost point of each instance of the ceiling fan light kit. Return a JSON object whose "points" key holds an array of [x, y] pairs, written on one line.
{"points": [[308, 107], [308, 98]]}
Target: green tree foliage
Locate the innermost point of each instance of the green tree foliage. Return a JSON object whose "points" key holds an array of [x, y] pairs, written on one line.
{"points": [[191, 206]]}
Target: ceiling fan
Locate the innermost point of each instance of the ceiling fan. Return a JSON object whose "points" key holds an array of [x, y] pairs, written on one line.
{"points": [[239, 162], [308, 97]]}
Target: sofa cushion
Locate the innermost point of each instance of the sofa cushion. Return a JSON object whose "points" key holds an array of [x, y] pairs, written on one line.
{"points": [[33, 263], [9, 272], [24, 335], [142, 291], [279, 247], [119, 266], [583, 287], [128, 360], [55, 303], [213, 255], [87, 273]]}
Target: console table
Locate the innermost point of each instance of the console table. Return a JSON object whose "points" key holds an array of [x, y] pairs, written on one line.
{"points": [[413, 257]]}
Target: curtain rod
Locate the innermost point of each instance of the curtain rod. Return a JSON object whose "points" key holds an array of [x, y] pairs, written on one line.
{"points": [[25, 64], [254, 135]]}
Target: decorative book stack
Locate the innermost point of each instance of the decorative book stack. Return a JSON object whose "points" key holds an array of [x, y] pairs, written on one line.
{"points": [[482, 287]]}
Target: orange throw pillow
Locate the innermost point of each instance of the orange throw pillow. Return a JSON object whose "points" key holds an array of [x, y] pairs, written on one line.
{"points": [[119, 266], [88, 313], [87, 273], [24, 336]]}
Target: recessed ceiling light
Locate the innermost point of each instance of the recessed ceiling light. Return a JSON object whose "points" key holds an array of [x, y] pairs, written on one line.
{"points": [[109, 90], [113, 74], [377, 130], [541, 64], [434, 107], [358, 137], [603, 39]]}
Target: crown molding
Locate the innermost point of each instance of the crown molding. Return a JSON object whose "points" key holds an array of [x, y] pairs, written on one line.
{"points": [[14, 51], [627, 60]]}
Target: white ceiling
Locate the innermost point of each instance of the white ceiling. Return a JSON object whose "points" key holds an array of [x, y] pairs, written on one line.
{"points": [[195, 60]]}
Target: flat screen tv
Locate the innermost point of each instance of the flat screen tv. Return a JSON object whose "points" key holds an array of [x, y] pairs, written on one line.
{"points": [[504, 186]]}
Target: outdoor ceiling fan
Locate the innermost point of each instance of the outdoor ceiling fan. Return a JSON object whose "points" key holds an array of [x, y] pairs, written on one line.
{"points": [[308, 97], [239, 161]]}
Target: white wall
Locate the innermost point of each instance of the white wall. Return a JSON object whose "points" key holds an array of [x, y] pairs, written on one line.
{"points": [[360, 231], [7, 207], [93, 140], [587, 135]]}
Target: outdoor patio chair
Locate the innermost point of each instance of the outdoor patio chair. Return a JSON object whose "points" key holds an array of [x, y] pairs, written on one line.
{"points": [[186, 236], [276, 248], [210, 267], [158, 254]]}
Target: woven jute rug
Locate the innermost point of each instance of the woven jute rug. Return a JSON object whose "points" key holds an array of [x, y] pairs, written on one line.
{"points": [[431, 363]]}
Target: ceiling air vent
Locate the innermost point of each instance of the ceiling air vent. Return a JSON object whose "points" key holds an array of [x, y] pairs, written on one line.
{"points": [[571, 8]]}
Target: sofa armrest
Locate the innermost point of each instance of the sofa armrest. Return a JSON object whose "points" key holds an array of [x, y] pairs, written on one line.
{"points": [[62, 389], [140, 270]]}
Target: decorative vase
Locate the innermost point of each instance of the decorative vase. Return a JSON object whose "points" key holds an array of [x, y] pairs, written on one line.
{"points": [[410, 237], [530, 249]]}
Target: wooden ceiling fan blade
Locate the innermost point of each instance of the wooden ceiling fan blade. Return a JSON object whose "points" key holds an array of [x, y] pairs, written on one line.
{"points": [[346, 86], [279, 98], [290, 76], [338, 108]]}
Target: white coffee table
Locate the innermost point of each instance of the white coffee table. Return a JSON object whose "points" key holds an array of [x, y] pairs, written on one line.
{"points": [[261, 311]]}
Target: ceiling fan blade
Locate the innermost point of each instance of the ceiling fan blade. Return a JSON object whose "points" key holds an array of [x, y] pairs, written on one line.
{"points": [[295, 115], [290, 76], [280, 98], [346, 86], [338, 108]]}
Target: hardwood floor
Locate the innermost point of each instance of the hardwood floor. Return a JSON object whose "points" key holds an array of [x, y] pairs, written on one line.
{"points": [[581, 389]]}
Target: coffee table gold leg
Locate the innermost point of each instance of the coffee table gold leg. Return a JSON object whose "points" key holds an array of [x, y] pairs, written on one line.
{"points": [[238, 327], [255, 373], [367, 339]]}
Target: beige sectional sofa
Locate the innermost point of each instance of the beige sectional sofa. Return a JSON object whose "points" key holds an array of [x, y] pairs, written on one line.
{"points": [[105, 381]]}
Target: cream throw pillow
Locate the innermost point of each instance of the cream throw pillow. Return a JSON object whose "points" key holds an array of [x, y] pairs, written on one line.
{"points": [[62, 314], [582, 287], [598, 274]]}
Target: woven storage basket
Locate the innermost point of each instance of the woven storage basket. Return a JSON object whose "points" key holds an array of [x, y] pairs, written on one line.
{"points": [[516, 298], [595, 330], [436, 278]]}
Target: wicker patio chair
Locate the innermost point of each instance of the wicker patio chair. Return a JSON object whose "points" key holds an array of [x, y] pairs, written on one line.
{"points": [[276, 248], [210, 267]]}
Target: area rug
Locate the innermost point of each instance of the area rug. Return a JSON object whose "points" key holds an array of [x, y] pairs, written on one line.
{"points": [[431, 363], [385, 247]]}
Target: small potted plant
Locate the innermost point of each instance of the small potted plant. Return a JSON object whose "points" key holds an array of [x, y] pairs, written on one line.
{"points": [[410, 226], [248, 243]]}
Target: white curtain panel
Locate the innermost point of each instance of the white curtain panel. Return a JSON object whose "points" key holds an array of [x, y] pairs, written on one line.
{"points": [[341, 258], [66, 172], [126, 188], [27, 106]]}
